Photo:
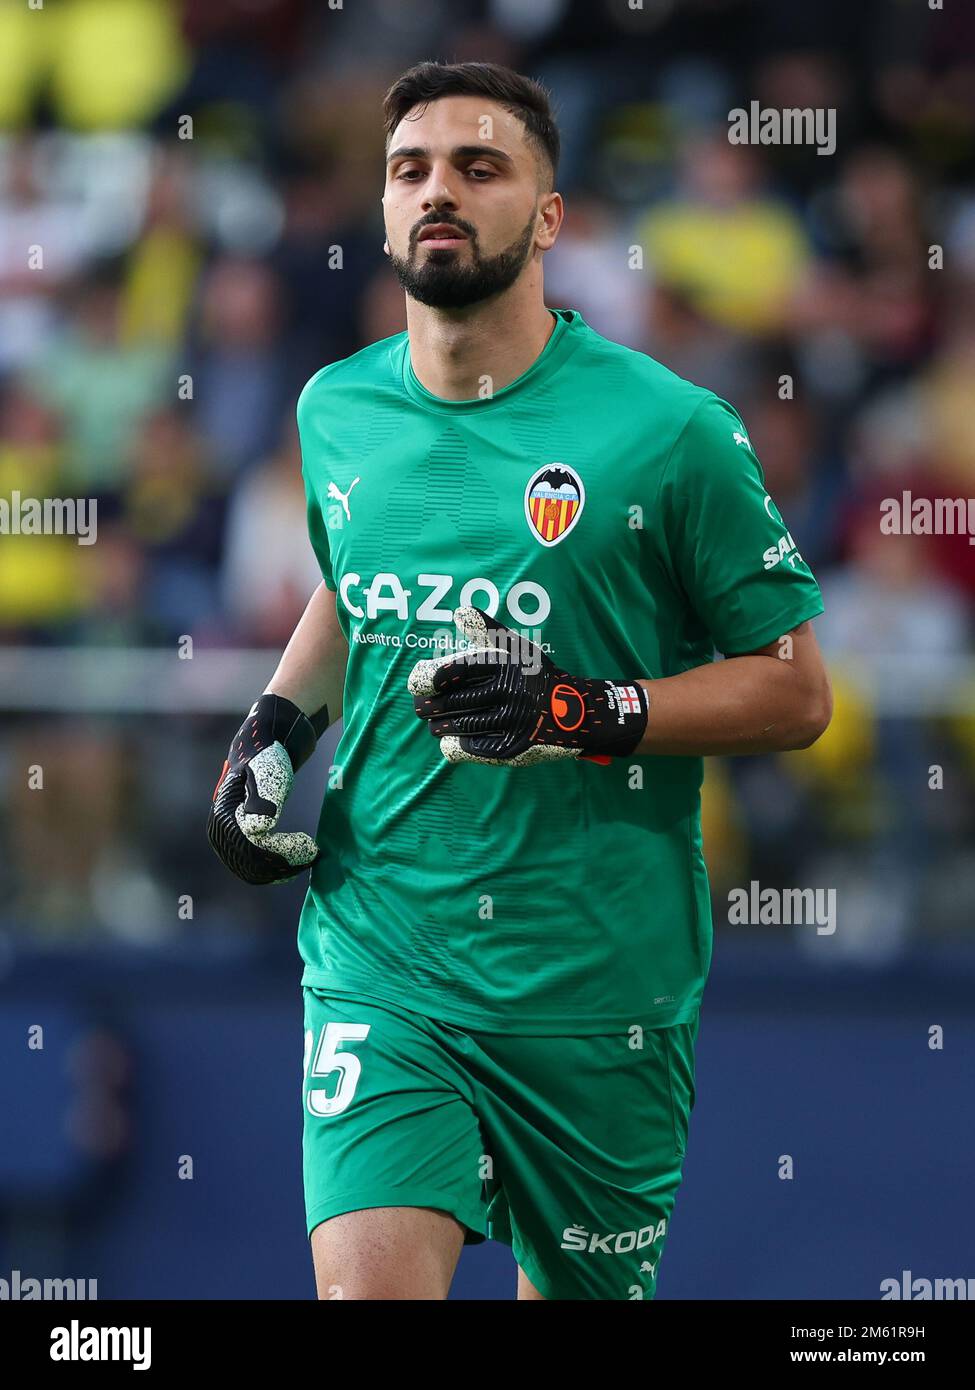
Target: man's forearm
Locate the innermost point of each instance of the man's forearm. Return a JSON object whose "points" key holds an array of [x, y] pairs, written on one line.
{"points": [[278, 736], [311, 672], [745, 704]]}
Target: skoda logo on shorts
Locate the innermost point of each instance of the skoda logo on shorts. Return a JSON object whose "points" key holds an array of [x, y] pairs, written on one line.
{"points": [[554, 499]]}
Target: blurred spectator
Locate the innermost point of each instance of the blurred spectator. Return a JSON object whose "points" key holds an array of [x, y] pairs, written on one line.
{"points": [[589, 269], [165, 260], [947, 392], [69, 826], [240, 383], [270, 570], [35, 220], [43, 579], [731, 248], [115, 615], [330, 245], [101, 386], [888, 601], [173, 510], [875, 285], [886, 604], [113, 62], [678, 334]]}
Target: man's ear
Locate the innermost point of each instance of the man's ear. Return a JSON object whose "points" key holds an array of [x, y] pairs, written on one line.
{"points": [[386, 247]]}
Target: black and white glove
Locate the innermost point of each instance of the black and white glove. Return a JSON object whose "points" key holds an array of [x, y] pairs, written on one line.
{"points": [[503, 701], [267, 750]]}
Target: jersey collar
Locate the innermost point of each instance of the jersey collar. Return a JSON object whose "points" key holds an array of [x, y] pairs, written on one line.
{"points": [[562, 341]]}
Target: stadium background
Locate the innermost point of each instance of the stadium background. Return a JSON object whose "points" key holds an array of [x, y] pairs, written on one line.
{"points": [[168, 993]]}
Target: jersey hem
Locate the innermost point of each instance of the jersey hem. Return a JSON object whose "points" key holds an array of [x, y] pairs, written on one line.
{"points": [[557, 1025], [770, 631]]}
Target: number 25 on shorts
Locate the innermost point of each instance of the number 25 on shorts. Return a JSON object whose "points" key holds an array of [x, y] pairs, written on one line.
{"points": [[329, 1059]]}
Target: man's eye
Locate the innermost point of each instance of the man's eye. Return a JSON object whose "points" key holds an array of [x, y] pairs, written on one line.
{"points": [[483, 174]]}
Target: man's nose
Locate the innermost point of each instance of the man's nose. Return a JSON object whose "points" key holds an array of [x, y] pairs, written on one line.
{"points": [[440, 191]]}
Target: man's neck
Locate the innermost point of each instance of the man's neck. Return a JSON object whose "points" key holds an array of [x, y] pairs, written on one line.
{"points": [[461, 355]]}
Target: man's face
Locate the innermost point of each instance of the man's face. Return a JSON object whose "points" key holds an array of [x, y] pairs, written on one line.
{"points": [[463, 163]]}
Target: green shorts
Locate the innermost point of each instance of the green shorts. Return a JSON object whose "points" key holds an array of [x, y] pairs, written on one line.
{"points": [[568, 1149]]}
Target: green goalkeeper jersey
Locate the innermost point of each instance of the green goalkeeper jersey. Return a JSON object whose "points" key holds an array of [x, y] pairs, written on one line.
{"points": [[614, 513]]}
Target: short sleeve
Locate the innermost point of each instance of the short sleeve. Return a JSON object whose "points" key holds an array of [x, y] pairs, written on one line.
{"points": [[318, 531], [317, 528], [731, 552]]}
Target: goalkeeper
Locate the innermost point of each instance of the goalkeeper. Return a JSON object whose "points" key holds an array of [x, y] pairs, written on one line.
{"points": [[532, 542]]}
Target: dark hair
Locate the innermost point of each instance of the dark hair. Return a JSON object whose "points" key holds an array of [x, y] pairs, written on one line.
{"points": [[522, 96]]}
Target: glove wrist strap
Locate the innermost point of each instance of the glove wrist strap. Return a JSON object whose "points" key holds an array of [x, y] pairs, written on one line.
{"points": [[619, 719], [273, 719]]}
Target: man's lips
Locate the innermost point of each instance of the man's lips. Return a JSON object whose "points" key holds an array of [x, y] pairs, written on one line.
{"points": [[442, 234]]}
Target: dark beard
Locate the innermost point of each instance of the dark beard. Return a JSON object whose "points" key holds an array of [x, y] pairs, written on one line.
{"points": [[443, 282]]}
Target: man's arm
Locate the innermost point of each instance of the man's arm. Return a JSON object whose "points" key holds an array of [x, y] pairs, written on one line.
{"points": [[311, 672], [776, 698], [277, 737], [503, 700]]}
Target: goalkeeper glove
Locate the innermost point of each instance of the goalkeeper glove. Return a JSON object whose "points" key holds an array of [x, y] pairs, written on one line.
{"points": [[502, 701], [267, 750]]}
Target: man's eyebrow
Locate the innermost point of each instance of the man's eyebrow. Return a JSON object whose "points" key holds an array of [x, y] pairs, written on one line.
{"points": [[458, 152]]}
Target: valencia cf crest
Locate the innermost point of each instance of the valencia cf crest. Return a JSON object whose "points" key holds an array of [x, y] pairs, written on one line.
{"points": [[554, 499]]}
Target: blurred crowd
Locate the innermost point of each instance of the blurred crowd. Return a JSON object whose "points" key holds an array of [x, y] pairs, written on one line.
{"points": [[202, 182]]}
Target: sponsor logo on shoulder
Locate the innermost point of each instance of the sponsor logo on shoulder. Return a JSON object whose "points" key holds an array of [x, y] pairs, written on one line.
{"points": [[785, 550]]}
